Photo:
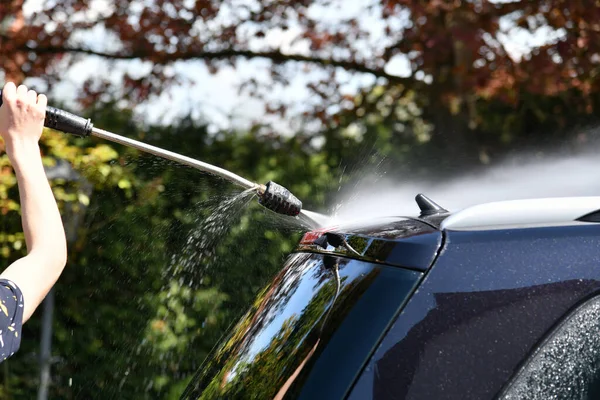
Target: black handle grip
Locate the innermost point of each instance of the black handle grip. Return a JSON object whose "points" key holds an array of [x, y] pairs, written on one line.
{"points": [[64, 121]]}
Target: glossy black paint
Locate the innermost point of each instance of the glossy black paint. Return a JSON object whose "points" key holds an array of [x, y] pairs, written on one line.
{"points": [[406, 242], [428, 206], [309, 333], [486, 303]]}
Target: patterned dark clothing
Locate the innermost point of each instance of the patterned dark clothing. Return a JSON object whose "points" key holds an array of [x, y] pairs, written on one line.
{"points": [[11, 318]]}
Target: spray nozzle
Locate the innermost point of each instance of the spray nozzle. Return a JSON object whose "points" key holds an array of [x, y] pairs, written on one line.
{"points": [[277, 198]]}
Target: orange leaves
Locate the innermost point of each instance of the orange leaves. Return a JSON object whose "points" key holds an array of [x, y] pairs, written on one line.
{"points": [[456, 45], [499, 84]]}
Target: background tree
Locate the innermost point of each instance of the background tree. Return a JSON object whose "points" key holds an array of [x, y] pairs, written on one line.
{"points": [[456, 52]]}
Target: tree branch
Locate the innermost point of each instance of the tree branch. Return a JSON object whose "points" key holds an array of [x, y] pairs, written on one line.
{"points": [[275, 56]]}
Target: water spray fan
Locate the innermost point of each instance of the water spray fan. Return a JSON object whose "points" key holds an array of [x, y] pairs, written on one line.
{"points": [[271, 195]]}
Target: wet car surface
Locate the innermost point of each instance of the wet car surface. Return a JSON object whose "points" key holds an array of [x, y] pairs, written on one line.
{"points": [[405, 309]]}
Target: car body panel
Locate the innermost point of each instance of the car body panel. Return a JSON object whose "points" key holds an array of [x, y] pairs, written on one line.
{"points": [[487, 302]]}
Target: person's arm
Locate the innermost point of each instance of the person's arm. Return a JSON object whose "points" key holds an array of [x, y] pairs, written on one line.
{"points": [[21, 123]]}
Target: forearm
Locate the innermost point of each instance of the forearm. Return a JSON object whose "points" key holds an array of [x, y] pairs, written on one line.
{"points": [[42, 225]]}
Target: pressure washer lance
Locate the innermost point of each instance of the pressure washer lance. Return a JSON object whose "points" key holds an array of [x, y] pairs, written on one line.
{"points": [[271, 195]]}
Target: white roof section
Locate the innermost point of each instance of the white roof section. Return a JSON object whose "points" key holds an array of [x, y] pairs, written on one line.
{"points": [[530, 212]]}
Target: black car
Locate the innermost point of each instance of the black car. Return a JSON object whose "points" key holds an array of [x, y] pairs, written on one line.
{"points": [[499, 300]]}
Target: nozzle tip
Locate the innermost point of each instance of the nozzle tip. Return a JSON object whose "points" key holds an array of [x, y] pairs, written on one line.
{"points": [[277, 198]]}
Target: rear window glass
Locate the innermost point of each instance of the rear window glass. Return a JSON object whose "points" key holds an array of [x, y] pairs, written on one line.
{"points": [[567, 364], [308, 333]]}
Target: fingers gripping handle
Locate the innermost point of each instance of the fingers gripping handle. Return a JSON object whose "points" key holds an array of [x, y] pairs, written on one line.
{"points": [[64, 121]]}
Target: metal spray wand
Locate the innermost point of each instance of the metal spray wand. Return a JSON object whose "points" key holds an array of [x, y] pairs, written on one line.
{"points": [[271, 195]]}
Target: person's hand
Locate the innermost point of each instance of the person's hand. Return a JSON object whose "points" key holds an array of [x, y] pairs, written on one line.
{"points": [[21, 116]]}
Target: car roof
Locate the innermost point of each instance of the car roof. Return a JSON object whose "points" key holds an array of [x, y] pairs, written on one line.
{"points": [[509, 214], [524, 213], [413, 241]]}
